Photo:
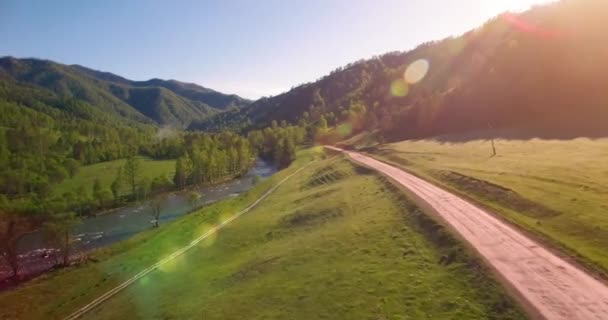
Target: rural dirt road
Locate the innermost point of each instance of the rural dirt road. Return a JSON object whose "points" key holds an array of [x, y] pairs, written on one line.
{"points": [[548, 286]]}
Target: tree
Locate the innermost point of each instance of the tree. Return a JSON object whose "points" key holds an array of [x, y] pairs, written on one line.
{"points": [[183, 170], [58, 231], [117, 185], [161, 183], [322, 125], [14, 224], [132, 172], [156, 206], [105, 198], [491, 127], [83, 201], [193, 199], [71, 166], [289, 153], [97, 191], [371, 120], [143, 189]]}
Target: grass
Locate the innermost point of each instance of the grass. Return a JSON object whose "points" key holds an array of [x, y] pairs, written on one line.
{"points": [[334, 242], [555, 189], [59, 293], [106, 173]]}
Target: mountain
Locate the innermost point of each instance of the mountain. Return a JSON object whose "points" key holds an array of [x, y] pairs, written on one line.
{"points": [[541, 72], [160, 102]]}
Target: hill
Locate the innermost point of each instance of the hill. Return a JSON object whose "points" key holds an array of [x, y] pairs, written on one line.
{"points": [[161, 102], [538, 72]]}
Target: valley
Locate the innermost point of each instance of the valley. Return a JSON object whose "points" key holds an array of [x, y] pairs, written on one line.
{"points": [[342, 160]]}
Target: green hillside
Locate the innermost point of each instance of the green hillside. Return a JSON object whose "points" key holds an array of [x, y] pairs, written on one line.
{"points": [[379, 255], [539, 72], [155, 101]]}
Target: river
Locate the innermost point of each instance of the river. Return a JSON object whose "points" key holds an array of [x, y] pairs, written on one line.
{"points": [[110, 227]]}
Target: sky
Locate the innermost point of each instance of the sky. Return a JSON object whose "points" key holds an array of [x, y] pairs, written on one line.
{"points": [[247, 47]]}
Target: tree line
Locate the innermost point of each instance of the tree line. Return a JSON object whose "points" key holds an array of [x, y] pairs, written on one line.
{"points": [[201, 159], [277, 143]]}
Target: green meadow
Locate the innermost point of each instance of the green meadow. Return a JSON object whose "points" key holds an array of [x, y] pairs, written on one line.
{"points": [[334, 242], [555, 189], [106, 173]]}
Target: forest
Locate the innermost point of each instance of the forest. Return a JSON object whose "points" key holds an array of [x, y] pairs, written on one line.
{"points": [[46, 139]]}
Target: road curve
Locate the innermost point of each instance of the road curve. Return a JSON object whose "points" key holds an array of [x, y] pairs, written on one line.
{"points": [[548, 286]]}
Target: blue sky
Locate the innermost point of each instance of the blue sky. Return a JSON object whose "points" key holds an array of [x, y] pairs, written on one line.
{"points": [[251, 48]]}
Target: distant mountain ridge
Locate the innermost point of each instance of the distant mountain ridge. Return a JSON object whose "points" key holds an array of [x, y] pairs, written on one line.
{"points": [[155, 101]]}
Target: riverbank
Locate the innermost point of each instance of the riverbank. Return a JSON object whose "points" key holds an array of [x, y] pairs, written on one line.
{"points": [[333, 242], [119, 224], [58, 293]]}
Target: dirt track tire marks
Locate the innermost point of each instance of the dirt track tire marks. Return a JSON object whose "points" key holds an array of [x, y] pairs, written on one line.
{"points": [[104, 297], [548, 286]]}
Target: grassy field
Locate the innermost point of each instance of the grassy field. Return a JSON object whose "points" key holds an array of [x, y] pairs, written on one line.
{"points": [[556, 189], [106, 173], [334, 242]]}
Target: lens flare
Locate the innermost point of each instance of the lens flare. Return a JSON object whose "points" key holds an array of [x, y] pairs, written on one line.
{"points": [[225, 218], [399, 88], [416, 71], [209, 230], [171, 263], [527, 27], [318, 150], [344, 130], [144, 281]]}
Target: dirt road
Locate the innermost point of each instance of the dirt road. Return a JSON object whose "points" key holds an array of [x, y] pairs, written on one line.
{"points": [[548, 286]]}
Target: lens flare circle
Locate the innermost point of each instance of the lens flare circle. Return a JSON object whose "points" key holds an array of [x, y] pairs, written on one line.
{"points": [[399, 88], [344, 130], [416, 71], [210, 230]]}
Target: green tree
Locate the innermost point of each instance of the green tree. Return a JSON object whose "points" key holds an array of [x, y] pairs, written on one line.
{"points": [[14, 224], [288, 153], [183, 170], [58, 231], [132, 172], [105, 198], [143, 189], [117, 184], [193, 199], [71, 166], [97, 191], [156, 206]]}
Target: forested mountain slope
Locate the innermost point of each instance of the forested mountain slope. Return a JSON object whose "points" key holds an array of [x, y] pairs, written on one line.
{"points": [[57, 117], [155, 101], [540, 73]]}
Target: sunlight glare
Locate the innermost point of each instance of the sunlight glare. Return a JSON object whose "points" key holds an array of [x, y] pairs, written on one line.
{"points": [[344, 130], [416, 71], [170, 263], [399, 88], [211, 232]]}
